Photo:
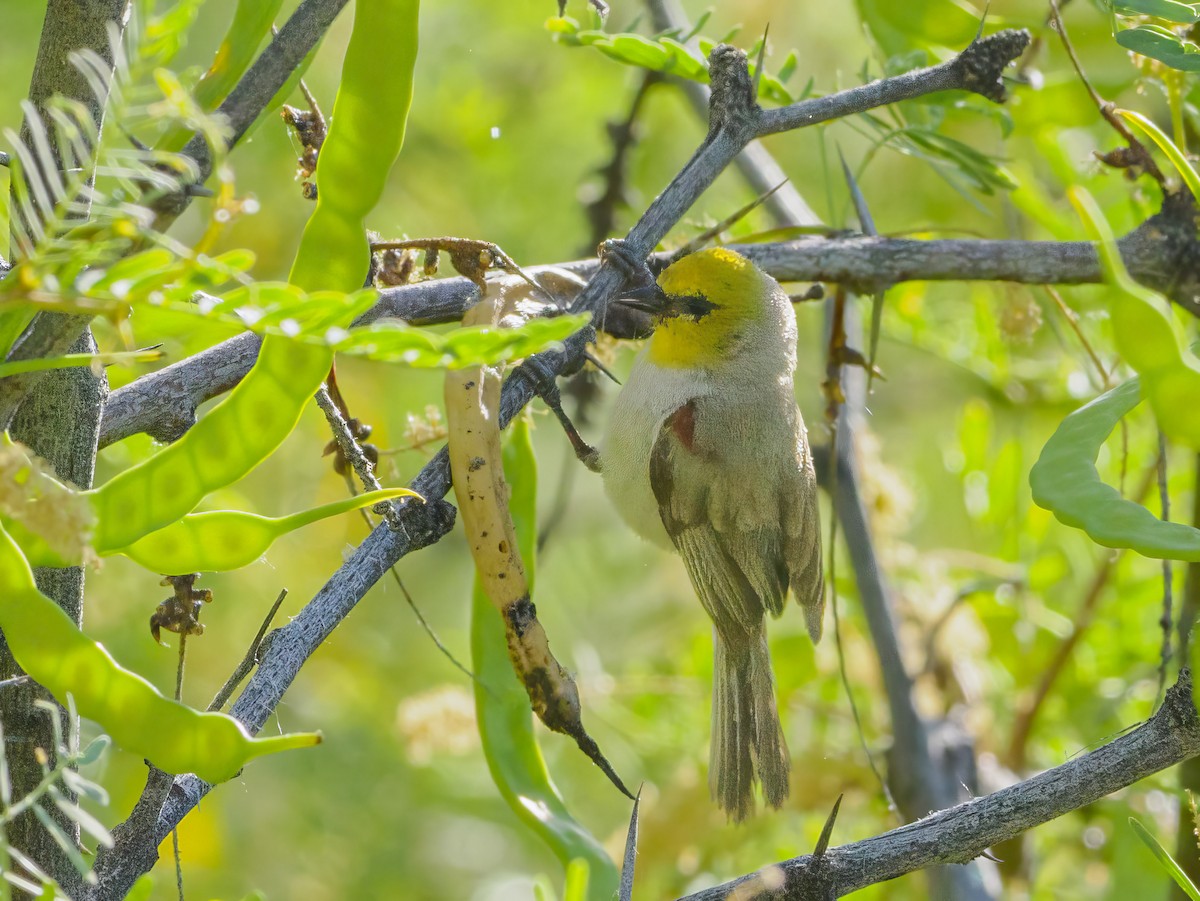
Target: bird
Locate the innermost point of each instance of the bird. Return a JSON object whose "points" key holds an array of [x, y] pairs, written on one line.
{"points": [[706, 454]]}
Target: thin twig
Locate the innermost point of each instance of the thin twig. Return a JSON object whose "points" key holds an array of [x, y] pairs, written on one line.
{"points": [[836, 416], [1166, 621], [249, 658], [183, 637], [1073, 321], [1137, 149]]}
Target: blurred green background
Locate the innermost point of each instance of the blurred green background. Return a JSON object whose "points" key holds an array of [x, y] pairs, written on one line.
{"points": [[506, 134]]}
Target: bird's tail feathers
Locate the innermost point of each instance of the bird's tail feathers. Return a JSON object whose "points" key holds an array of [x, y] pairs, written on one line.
{"points": [[747, 740]]}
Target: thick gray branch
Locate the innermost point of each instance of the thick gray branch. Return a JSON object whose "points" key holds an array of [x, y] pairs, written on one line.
{"points": [[736, 119], [963, 833], [163, 403]]}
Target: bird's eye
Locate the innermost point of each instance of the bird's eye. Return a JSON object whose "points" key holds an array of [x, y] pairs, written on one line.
{"points": [[697, 306]]}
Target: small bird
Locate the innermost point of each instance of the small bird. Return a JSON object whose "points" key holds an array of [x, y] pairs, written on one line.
{"points": [[706, 453]]}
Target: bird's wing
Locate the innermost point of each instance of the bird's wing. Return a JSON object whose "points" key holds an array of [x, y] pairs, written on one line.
{"points": [[802, 539], [737, 572]]}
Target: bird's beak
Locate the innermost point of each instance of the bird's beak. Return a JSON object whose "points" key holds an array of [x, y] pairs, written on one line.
{"points": [[649, 299]]}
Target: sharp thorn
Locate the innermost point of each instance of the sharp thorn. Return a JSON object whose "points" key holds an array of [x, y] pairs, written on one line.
{"points": [[827, 830], [630, 860], [591, 358]]}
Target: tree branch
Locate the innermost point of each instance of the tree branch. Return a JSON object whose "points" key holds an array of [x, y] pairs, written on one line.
{"points": [[962, 833], [163, 403], [292, 645]]}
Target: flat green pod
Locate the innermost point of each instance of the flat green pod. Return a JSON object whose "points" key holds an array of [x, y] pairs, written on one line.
{"points": [[1065, 481], [222, 540], [55, 653]]}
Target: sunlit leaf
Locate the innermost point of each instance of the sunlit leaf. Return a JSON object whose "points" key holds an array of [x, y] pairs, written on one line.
{"points": [[1163, 9], [1163, 45]]}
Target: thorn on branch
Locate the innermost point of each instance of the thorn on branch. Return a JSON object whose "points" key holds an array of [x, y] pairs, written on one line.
{"points": [[827, 830], [984, 61]]}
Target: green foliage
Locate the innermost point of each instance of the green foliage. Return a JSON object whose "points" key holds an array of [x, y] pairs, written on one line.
{"points": [[987, 585], [1159, 40], [467, 346], [222, 540], [1163, 45], [1181, 13], [668, 54], [502, 707]]}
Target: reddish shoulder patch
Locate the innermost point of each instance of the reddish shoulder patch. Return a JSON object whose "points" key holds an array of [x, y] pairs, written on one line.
{"points": [[683, 424]]}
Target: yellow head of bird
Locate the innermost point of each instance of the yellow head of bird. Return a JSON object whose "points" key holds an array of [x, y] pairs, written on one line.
{"points": [[709, 299]]}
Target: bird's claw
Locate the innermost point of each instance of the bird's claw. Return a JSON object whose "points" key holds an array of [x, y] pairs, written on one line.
{"points": [[633, 266]]}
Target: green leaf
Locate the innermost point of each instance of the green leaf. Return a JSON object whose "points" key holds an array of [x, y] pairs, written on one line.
{"points": [[576, 887], [789, 66], [252, 21], [76, 361], [1166, 860], [1147, 335], [467, 346], [683, 63], [83, 786], [636, 50], [562, 25], [223, 540], [87, 823], [1163, 9], [1162, 45]]}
